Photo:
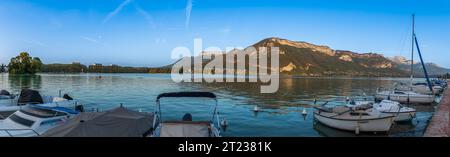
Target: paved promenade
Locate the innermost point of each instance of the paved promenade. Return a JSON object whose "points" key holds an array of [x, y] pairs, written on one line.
{"points": [[439, 125]]}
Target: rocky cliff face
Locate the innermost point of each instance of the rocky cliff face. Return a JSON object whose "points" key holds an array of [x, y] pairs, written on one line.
{"points": [[302, 58]]}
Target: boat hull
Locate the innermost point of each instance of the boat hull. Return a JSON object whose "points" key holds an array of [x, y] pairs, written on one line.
{"points": [[403, 116], [369, 125], [5, 111], [423, 99], [425, 90]]}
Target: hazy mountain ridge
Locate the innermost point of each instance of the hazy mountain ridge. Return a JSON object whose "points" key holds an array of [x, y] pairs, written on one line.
{"points": [[306, 59]]}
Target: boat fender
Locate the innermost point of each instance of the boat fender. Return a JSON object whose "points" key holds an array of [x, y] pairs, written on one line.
{"points": [[357, 131], [256, 109], [224, 123], [304, 112]]}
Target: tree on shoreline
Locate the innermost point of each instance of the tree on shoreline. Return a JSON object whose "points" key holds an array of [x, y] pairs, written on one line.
{"points": [[3, 68], [24, 64]]}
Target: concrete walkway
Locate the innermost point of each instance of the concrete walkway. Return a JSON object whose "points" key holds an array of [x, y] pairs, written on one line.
{"points": [[439, 125]]}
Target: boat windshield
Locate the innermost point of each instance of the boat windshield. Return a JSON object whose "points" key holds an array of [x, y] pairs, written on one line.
{"points": [[42, 113], [21, 120]]}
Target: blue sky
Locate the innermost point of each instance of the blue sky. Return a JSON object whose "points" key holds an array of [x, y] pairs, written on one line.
{"points": [[144, 32]]}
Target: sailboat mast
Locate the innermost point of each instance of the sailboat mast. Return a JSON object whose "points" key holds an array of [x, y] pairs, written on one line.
{"points": [[412, 52]]}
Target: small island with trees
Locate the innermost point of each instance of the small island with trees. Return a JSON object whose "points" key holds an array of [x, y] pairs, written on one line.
{"points": [[25, 64]]}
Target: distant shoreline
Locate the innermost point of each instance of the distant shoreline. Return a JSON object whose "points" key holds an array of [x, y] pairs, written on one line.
{"points": [[281, 75], [78, 68]]}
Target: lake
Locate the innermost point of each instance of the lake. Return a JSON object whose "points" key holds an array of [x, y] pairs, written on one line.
{"points": [[280, 112]]}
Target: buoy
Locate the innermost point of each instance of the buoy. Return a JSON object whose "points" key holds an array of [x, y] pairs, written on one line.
{"points": [[347, 98], [304, 112], [256, 108], [224, 123]]}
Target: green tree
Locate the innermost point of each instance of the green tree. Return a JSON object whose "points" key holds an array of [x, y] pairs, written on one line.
{"points": [[24, 64], [3, 68]]}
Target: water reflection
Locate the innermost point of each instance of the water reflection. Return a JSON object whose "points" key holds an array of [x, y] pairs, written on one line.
{"points": [[280, 113], [19, 82]]}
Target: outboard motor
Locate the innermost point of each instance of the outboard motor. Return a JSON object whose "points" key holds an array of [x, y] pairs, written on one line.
{"points": [[66, 96], [79, 108]]}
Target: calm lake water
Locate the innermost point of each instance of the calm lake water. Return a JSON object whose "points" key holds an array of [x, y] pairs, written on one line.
{"points": [[280, 115]]}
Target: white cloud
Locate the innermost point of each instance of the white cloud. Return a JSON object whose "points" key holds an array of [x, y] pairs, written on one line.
{"points": [[188, 13], [116, 11]]}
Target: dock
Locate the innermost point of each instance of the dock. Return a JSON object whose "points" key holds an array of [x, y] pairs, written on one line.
{"points": [[439, 125]]}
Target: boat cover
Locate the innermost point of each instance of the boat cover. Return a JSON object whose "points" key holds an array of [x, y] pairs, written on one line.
{"points": [[118, 122], [185, 129], [392, 106], [28, 96], [187, 94], [4, 92]]}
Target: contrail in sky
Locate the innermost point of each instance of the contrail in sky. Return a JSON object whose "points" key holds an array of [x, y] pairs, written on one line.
{"points": [[188, 13], [116, 11]]}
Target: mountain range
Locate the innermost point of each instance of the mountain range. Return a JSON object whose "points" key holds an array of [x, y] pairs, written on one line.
{"points": [[306, 59], [432, 68]]}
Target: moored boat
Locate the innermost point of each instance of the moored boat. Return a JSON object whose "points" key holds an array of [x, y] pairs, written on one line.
{"points": [[28, 97], [405, 97], [423, 88], [400, 112], [410, 96], [117, 122], [345, 118], [187, 127], [34, 120]]}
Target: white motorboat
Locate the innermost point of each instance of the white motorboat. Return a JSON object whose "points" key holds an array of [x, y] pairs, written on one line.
{"points": [[186, 127], [393, 108], [345, 118], [405, 97], [34, 120], [27, 97], [7, 98]]}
